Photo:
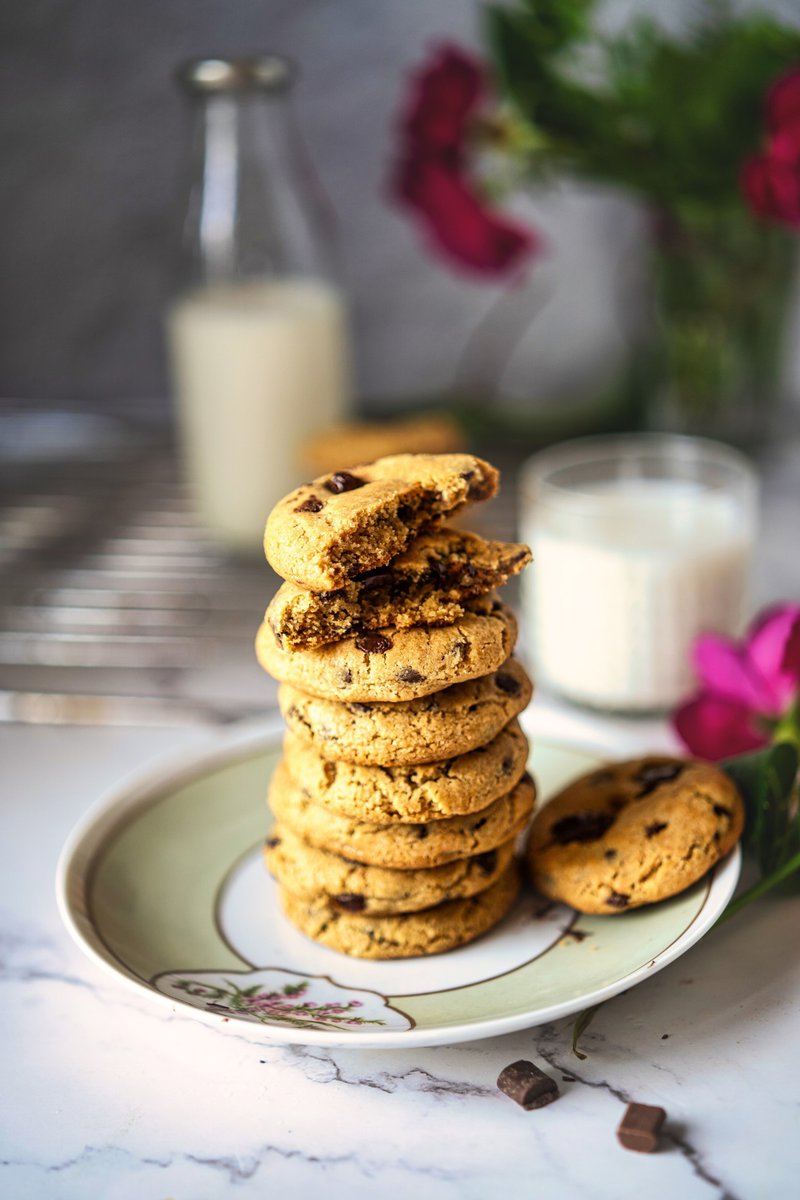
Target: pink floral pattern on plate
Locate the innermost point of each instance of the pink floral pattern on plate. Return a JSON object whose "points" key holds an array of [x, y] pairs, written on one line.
{"points": [[274, 996]]}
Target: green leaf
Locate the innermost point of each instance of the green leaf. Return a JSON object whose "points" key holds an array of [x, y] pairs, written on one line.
{"points": [[766, 780], [761, 888], [582, 1023]]}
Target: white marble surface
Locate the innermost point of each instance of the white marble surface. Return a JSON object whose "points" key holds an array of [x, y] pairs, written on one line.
{"points": [[106, 1095]]}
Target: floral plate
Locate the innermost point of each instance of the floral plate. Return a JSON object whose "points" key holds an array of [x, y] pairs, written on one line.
{"points": [[164, 885]]}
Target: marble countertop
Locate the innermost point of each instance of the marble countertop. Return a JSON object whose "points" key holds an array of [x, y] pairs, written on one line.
{"points": [[108, 1095]]}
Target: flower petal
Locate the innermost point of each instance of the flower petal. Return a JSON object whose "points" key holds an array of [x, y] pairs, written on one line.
{"points": [[714, 727], [442, 96], [767, 643], [725, 669], [772, 188], [458, 223], [783, 100]]}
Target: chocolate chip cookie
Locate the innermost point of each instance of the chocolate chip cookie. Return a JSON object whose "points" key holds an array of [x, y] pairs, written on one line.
{"points": [[427, 585], [317, 875], [633, 833], [326, 533], [390, 665], [402, 846], [433, 931], [381, 794], [451, 722]]}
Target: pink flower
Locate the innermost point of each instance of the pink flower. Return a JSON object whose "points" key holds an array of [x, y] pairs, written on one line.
{"points": [[431, 176], [746, 688], [771, 180]]}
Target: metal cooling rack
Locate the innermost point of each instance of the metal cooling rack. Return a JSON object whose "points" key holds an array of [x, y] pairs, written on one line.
{"points": [[115, 607]]}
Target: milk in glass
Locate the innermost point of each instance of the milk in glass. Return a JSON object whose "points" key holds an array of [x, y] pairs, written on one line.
{"points": [[626, 573]]}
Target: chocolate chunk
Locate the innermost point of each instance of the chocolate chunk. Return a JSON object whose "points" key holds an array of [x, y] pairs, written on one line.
{"points": [[526, 1085], [652, 775], [373, 579], [618, 900], [640, 1128], [405, 512], [345, 677], [507, 683], [467, 475], [343, 481], [581, 827], [486, 862], [656, 827], [329, 770], [409, 675], [350, 902], [721, 811], [312, 504], [373, 643]]}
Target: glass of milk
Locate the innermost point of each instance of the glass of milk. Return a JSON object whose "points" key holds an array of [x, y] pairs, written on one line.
{"points": [[640, 542], [258, 334]]}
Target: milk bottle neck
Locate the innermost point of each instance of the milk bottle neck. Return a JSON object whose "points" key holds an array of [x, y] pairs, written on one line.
{"points": [[255, 212]]}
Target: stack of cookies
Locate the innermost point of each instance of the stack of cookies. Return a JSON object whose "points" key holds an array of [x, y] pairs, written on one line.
{"points": [[403, 783]]}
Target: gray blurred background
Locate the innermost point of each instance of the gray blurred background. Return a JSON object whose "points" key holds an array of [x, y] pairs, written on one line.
{"points": [[95, 139]]}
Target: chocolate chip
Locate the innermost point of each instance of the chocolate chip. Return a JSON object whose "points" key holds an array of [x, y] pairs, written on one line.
{"points": [[272, 842], [507, 683], [356, 707], [421, 831], [526, 1085], [581, 827], [312, 504], [345, 677], [721, 811], [373, 643], [618, 900], [467, 475], [343, 481], [486, 862], [350, 902], [507, 764], [409, 675], [656, 827], [653, 774], [405, 512], [480, 823], [601, 776], [609, 854], [468, 573], [640, 1127], [373, 579]]}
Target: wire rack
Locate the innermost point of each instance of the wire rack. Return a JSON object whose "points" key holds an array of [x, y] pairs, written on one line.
{"points": [[115, 606]]}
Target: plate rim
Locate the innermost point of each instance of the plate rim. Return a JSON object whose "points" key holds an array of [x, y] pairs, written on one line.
{"points": [[141, 786]]}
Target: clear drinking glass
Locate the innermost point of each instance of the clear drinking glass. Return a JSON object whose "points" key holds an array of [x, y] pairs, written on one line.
{"points": [[258, 334], [640, 542]]}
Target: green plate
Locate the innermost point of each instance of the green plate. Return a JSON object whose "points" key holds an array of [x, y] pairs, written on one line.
{"points": [[163, 883]]}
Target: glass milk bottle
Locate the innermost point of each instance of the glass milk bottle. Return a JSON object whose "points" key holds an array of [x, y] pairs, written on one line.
{"points": [[258, 336]]}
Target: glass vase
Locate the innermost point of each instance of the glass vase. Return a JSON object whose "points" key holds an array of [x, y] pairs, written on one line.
{"points": [[714, 364]]}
